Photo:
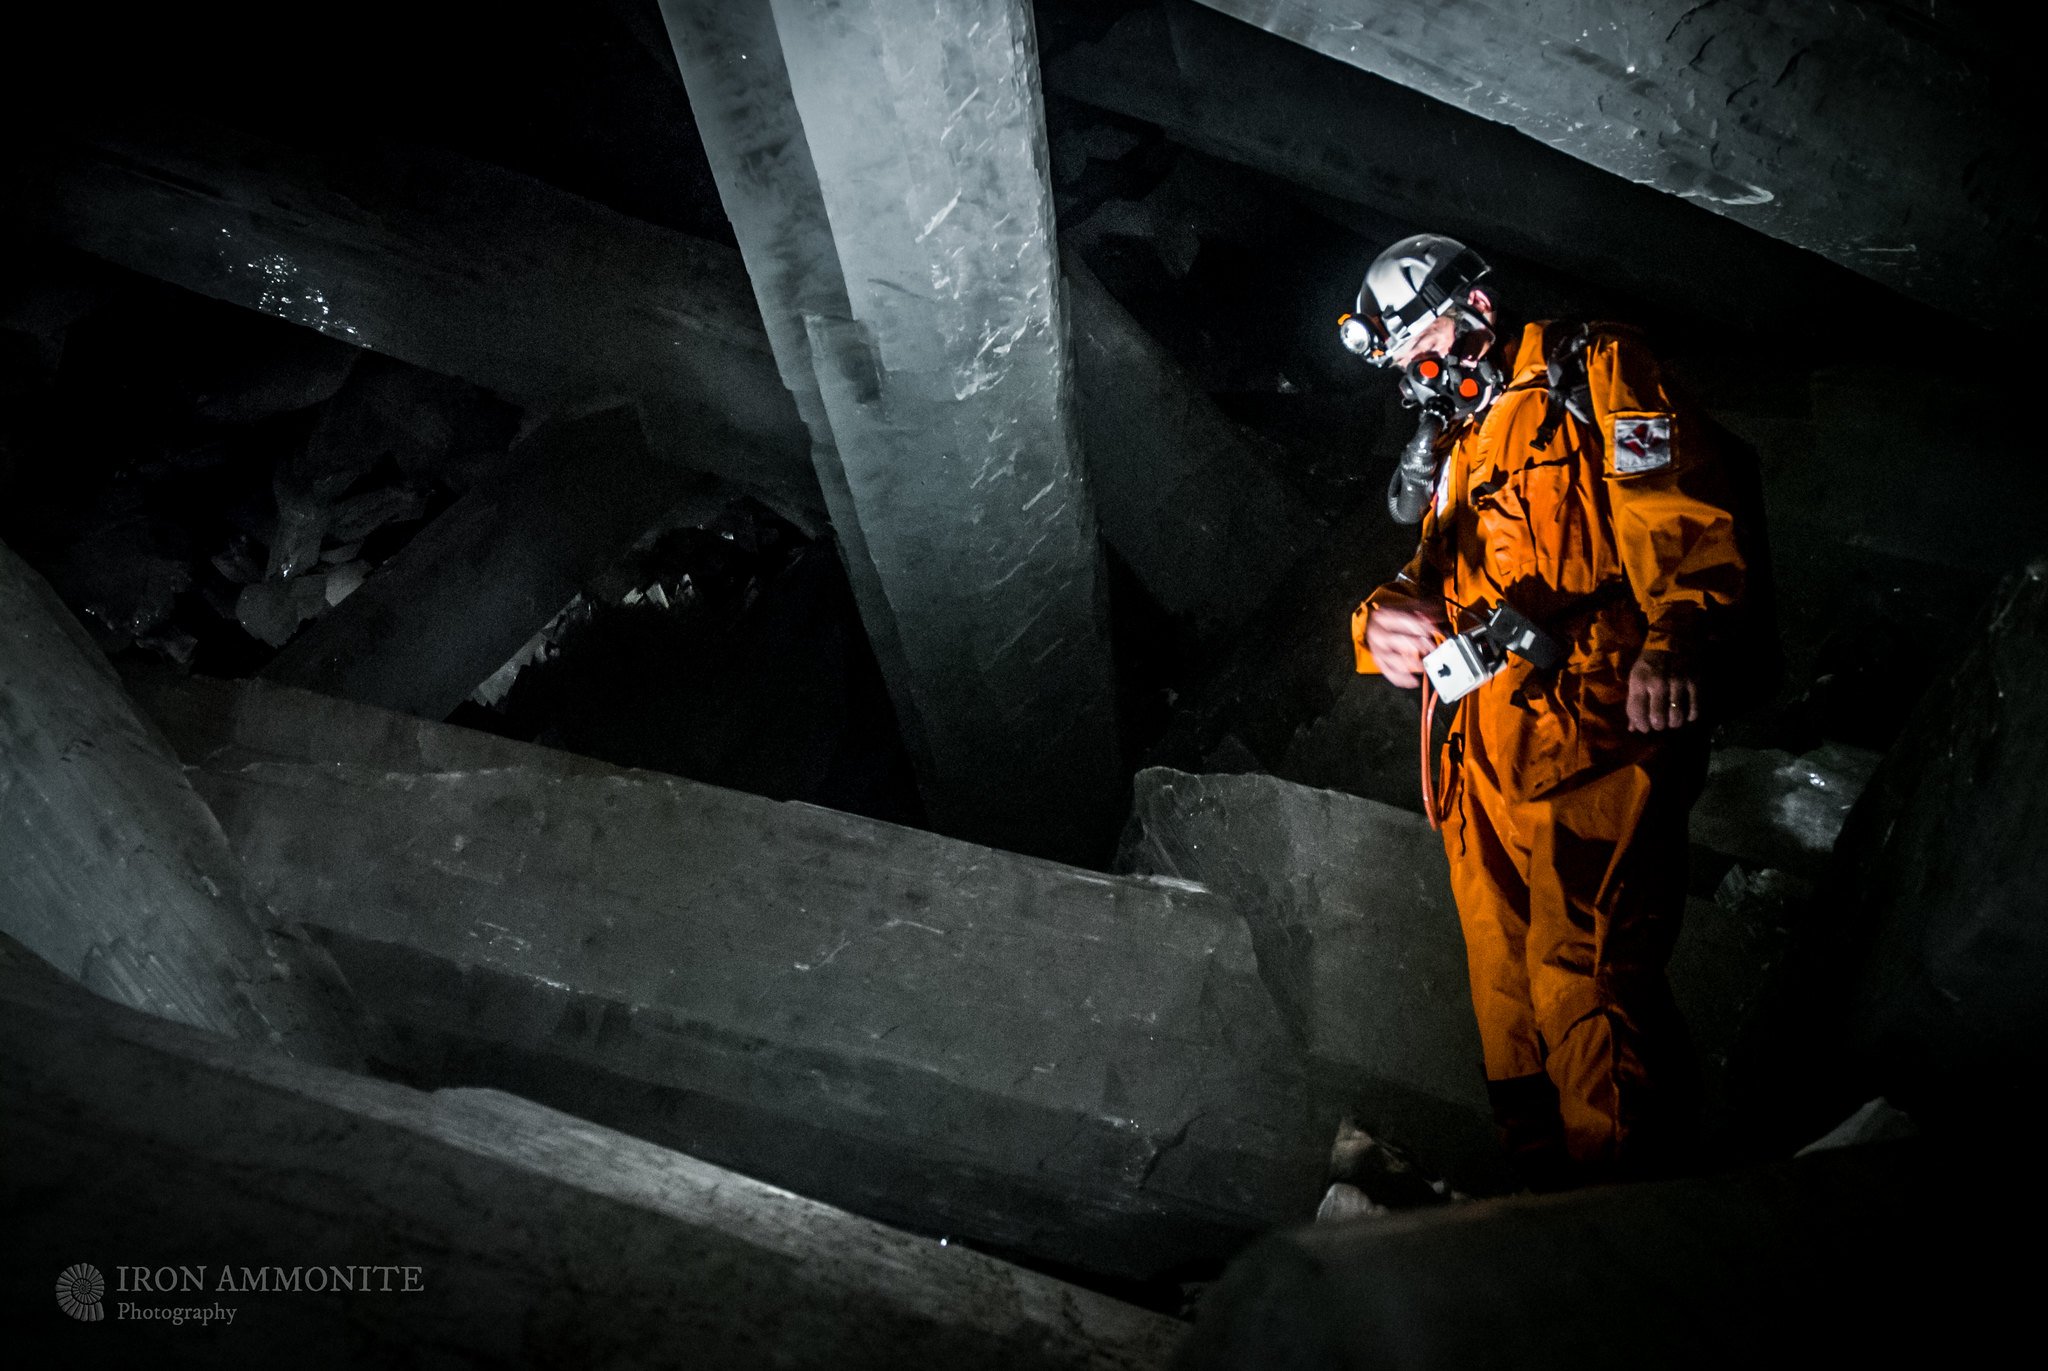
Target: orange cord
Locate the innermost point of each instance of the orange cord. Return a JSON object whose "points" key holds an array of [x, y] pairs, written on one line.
{"points": [[1428, 780]]}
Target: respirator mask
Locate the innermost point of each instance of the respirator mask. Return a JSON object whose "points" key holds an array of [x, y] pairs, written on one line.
{"points": [[1453, 387], [1447, 390], [1411, 284]]}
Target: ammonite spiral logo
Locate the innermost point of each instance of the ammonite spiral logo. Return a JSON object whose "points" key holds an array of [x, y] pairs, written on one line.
{"points": [[79, 1290]]}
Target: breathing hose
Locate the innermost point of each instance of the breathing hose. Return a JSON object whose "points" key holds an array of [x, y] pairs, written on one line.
{"points": [[1415, 474]]}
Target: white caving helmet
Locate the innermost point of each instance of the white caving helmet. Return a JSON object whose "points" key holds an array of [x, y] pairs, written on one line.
{"points": [[1406, 286]]}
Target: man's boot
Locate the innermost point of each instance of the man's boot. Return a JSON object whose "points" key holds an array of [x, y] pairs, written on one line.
{"points": [[1531, 1130]]}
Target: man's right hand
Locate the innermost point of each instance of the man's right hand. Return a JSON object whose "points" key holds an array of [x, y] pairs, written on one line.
{"points": [[1399, 633]]}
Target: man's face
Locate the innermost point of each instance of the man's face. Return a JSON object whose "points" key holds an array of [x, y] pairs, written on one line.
{"points": [[1436, 337], [1440, 334]]}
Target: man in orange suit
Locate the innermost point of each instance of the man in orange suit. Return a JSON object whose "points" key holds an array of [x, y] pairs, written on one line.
{"points": [[1569, 489]]}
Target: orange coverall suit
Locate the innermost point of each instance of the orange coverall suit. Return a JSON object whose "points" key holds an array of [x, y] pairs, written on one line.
{"points": [[1566, 833]]}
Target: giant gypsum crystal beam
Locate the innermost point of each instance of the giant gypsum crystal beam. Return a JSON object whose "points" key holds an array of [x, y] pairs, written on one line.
{"points": [[1393, 160], [114, 871], [454, 265], [1844, 128], [949, 391], [496, 1231], [1043, 1058]]}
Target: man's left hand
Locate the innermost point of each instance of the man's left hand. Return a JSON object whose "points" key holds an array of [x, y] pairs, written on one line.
{"points": [[1661, 694]]}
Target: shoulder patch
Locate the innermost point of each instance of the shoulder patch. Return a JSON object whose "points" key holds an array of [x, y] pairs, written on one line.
{"points": [[1642, 442]]}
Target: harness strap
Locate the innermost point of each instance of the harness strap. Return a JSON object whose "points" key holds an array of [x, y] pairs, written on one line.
{"points": [[1569, 389]]}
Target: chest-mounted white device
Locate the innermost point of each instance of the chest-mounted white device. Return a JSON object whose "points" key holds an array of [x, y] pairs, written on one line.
{"points": [[1474, 655]]}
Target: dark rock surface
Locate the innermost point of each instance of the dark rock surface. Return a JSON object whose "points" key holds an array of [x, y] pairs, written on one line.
{"points": [[1193, 502], [731, 653], [493, 569], [197, 480], [1287, 698], [1940, 884], [1774, 811], [1824, 1260]]}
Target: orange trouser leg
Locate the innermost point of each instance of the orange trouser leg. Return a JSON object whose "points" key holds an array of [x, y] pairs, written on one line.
{"points": [[1606, 891], [1489, 863], [1570, 906]]}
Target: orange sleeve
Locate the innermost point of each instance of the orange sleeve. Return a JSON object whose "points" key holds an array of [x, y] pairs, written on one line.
{"points": [[1672, 522], [1361, 655]]}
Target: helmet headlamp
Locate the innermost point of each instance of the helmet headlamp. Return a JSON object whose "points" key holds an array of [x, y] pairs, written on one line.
{"points": [[1364, 335]]}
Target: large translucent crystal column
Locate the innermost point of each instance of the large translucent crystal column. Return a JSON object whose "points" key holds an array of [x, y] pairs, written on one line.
{"points": [[1864, 133], [731, 61], [1026, 1054], [941, 370], [114, 871]]}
